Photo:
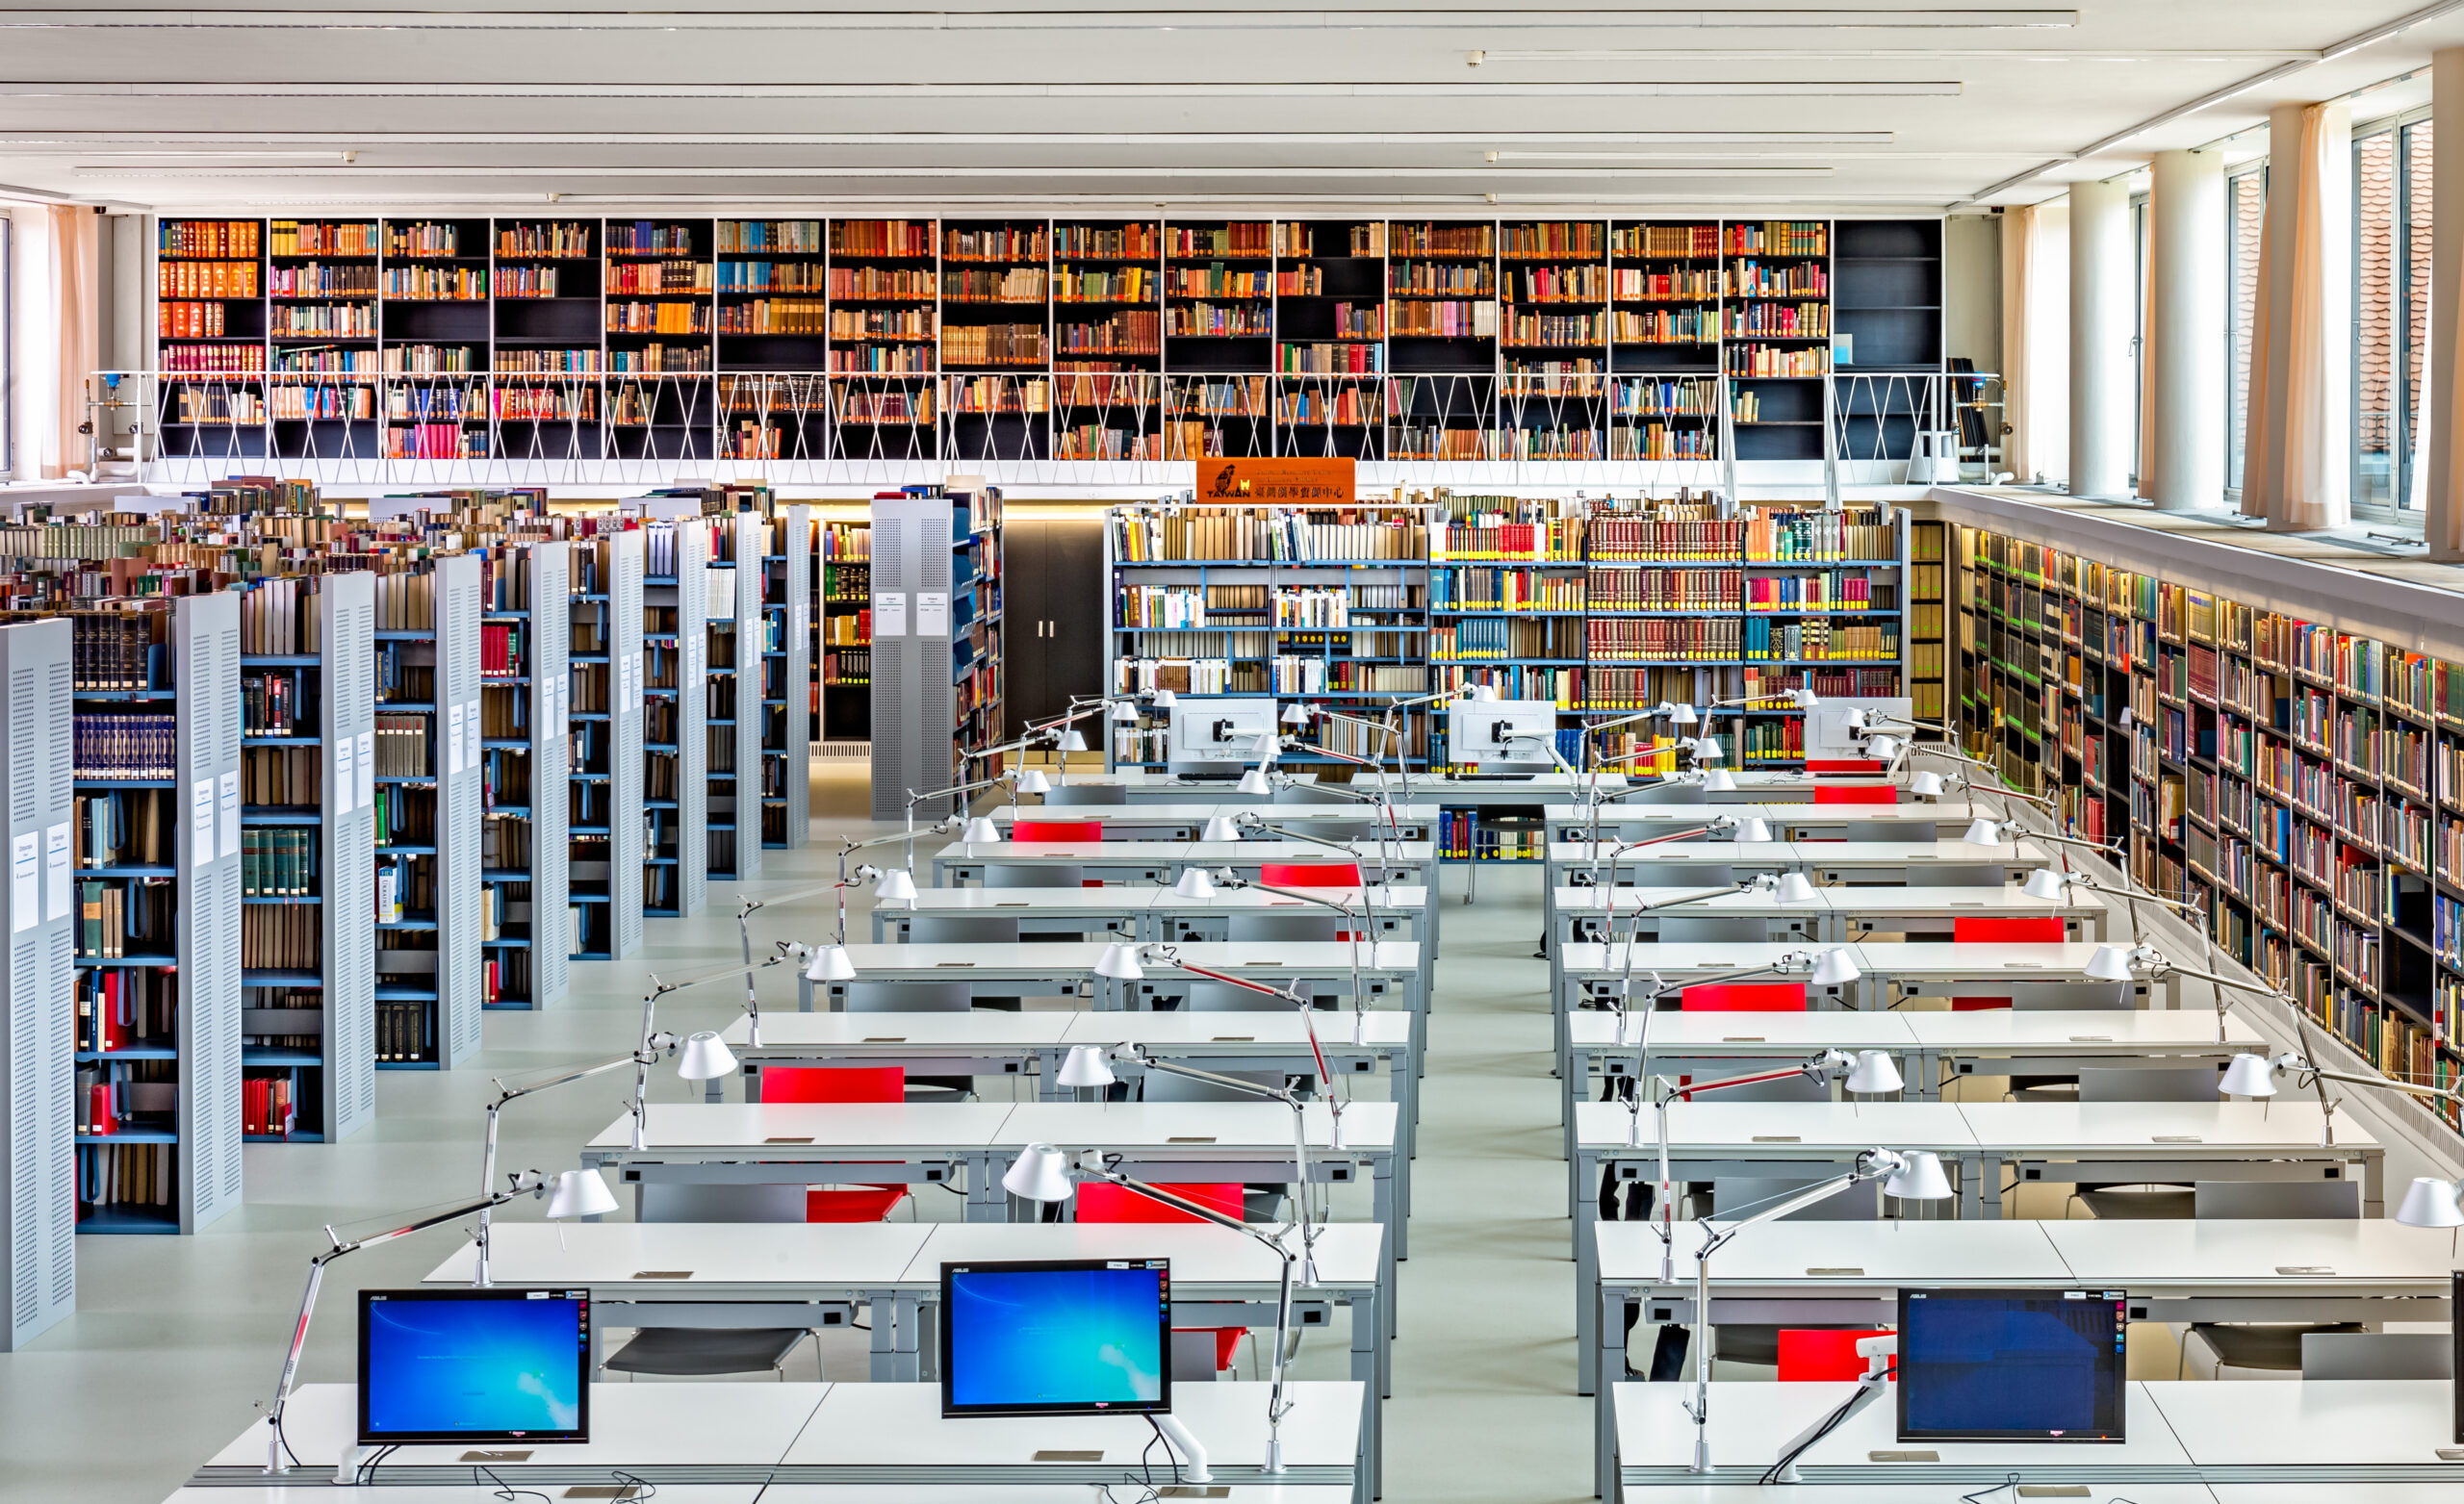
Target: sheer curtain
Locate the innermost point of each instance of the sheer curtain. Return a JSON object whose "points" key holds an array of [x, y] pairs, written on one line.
{"points": [[56, 304], [2298, 465]]}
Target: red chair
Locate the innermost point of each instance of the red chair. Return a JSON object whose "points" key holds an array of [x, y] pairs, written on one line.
{"points": [[1867, 766], [2040, 929], [1309, 874], [1817, 1355], [1057, 831], [1745, 997], [1978, 1005], [1855, 794], [1100, 1202], [841, 1083]]}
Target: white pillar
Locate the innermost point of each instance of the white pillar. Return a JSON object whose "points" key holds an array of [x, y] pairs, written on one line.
{"points": [[2445, 503], [2103, 281], [2186, 337]]}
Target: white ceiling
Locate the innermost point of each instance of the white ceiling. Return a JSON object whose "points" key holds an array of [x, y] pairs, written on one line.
{"points": [[746, 105]]}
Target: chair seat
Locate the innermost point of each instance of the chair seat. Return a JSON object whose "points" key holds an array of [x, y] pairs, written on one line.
{"points": [[2273, 1348], [699, 1352], [2155, 1204], [860, 1204]]}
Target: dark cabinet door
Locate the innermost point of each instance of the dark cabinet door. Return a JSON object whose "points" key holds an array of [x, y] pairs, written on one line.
{"points": [[1057, 616], [1022, 608]]}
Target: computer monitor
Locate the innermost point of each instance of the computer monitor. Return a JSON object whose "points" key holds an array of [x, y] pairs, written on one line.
{"points": [[455, 1366], [1060, 1337], [2011, 1364], [1503, 730], [1226, 731]]}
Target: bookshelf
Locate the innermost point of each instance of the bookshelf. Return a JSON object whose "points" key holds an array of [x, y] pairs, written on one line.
{"points": [[844, 630], [884, 323], [1219, 326], [937, 663], [1887, 305], [546, 310], [996, 338], [1442, 340], [674, 736], [525, 693], [733, 673], [1666, 281], [659, 285], [1553, 339], [211, 313], [773, 316], [2302, 785], [433, 287], [788, 682], [604, 813], [324, 282], [1331, 337], [1775, 331], [1108, 339], [39, 940], [307, 847]]}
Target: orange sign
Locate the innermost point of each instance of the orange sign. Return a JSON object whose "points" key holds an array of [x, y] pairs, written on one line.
{"points": [[1303, 482]]}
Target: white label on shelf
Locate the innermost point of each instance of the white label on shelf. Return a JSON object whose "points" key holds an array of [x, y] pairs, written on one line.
{"points": [[25, 885], [228, 841], [453, 739], [58, 892], [346, 781], [889, 613], [470, 729], [201, 823], [931, 613], [367, 769]]}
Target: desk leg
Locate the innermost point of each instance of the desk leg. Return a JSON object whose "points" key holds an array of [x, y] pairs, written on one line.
{"points": [[2373, 1184], [985, 1200], [1587, 1166], [1606, 1361], [715, 1088], [1369, 1371], [1048, 1087], [1984, 1195], [1386, 1204], [883, 1306]]}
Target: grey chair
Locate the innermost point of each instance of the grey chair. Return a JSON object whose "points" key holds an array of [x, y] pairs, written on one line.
{"points": [[1721, 930], [1307, 794], [2191, 1083], [1221, 996], [961, 929], [1957, 875], [1302, 929], [1893, 831], [672, 1200], [2230, 1201], [1066, 794], [1336, 831], [2377, 1354], [917, 997], [701, 1352], [1205, 770], [2275, 1347], [1673, 874], [1016, 875]]}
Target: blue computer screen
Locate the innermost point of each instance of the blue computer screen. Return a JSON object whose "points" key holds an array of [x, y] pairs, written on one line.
{"points": [[474, 1365], [1054, 1337], [2011, 1366]]}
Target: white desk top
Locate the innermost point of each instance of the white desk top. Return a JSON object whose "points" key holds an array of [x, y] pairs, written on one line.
{"points": [[904, 1032], [1018, 1494], [1818, 853], [1733, 1491], [1200, 810], [1750, 1420], [1787, 1034], [792, 1129], [1635, 811], [1598, 897], [2313, 1423], [1248, 853], [955, 961], [646, 1425], [2063, 1031], [1112, 899], [1169, 1125], [1885, 1255], [303, 1486], [2346, 1492], [2058, 1127], [1594, 959], [1164, 852], [2005, 902], [2000, 962], [1387, 898], [757, 1125], [1783, 1130], [2188, 1254], [900, 1425], [1698, 853], [881, 1255]]}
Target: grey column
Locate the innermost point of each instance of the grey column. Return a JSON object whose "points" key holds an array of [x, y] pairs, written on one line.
{"points": [[2102, 284], [2445, 523], [2186, 337]]}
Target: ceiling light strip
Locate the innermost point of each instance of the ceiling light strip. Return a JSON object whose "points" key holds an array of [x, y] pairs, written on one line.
{"points": [[583, 173], [1253, 18], [1643, 88], [363, 138]]}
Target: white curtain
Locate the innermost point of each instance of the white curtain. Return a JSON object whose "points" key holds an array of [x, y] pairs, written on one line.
{"points": [[56, 312], [2036, 341], [2019, 246], [2297, 445]]}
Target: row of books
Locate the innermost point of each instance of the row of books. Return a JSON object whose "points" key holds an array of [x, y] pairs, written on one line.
{"points": [[125, 829], [279, 861], [1710, 639], [1821, 638], [117, 921], [119, 1007], [280, 937], [124, 745], [267, 1109]]}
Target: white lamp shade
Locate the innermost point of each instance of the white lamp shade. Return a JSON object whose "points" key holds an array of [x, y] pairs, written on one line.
{"points": [[2430, 1203], [1040, 1173], [1875, 1071], [1982, 832], [1834, 969], [980, 831], [706, 1057], [2127, 718], [830, 963], [1296, 714], [580, 1193], [1681, 715], [1220, 828], [2045, 884], [1085, 1066], [896, 885], [1852, 718], [1164, 699], [1884, 747], [2110, 963], [1918, 1178], [1925, 785], [1755, 828], [1074, 740], [1804, 699], [1707, 749], [1795, 888], [1719, 781], [1120, 962], [1124, 711], [1033, 781], [2249, 1076], [1254, 781], [1194, 882], [1482, 694]]}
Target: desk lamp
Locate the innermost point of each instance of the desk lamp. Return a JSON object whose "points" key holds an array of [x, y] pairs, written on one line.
{"points": [[2254, 1075], [1041, 1173], [1907, 1175], [1982, 831], [1125, 961], [1774, 883], [1831, 968], [2055, 886], [575, 1193], [894, 884], [1249, 820], [2128, 964], [1194, 882], [2432, 1203], [1359, 993]]}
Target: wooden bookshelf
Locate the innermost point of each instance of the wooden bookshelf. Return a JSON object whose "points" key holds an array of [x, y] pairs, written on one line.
{"points": [[1553, 339], [1331, 337], [843, 644]]}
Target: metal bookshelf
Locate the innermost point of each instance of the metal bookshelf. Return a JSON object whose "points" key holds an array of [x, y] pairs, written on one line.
{"points": [[37, 985], [842, 593], [733, 673], [938, 642], [675, 761], [524, 753], [606, 791], [788, 680]]}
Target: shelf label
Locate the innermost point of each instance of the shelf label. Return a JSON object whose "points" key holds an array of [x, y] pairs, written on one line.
{"points": [[201, 823], [931, 613], [470, 729], [889, 613], [58, 892], [228, 842], [346, 783], [453, 740], [25, 882], [367, 769]]}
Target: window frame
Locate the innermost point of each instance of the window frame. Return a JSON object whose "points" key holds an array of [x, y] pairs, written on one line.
{"points": [[2237, 432], [2410, 277]]}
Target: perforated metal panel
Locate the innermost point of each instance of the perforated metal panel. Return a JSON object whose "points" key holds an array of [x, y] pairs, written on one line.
{"points": [[624, 789], [746, 608], [691, 596], [459, 801], [38, 1206], [795, 526], [346, 626], [912, 702], [205, 651], [550, 631]]}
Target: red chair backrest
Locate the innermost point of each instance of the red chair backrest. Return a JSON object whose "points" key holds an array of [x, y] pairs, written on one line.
{"points": [[1744, 997], [2040, 929], [1978, 1005], [1309, 874], [834, 1084], [1056, 831], [1855, 794], [1818, 766], [1816, 1357], [1101, 1202]]}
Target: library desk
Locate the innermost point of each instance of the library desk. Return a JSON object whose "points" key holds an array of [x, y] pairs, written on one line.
{"points": [[2317, 1432], [1754, 786], [1157, 913], [1183, 820], [1404, 912], [1409, 862], [748, 1435], [793, 1493], [2167, 1142], [1630, 819], [1032, 1043], [306, 1488], [758, 1143]]}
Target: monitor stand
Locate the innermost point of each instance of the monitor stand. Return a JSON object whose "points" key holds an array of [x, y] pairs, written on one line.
{"points": [[346, 1470]]}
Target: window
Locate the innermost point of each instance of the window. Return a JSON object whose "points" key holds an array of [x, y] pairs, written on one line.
{"points": [[2138, 248], [2390, 185], [2245, 201]]}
